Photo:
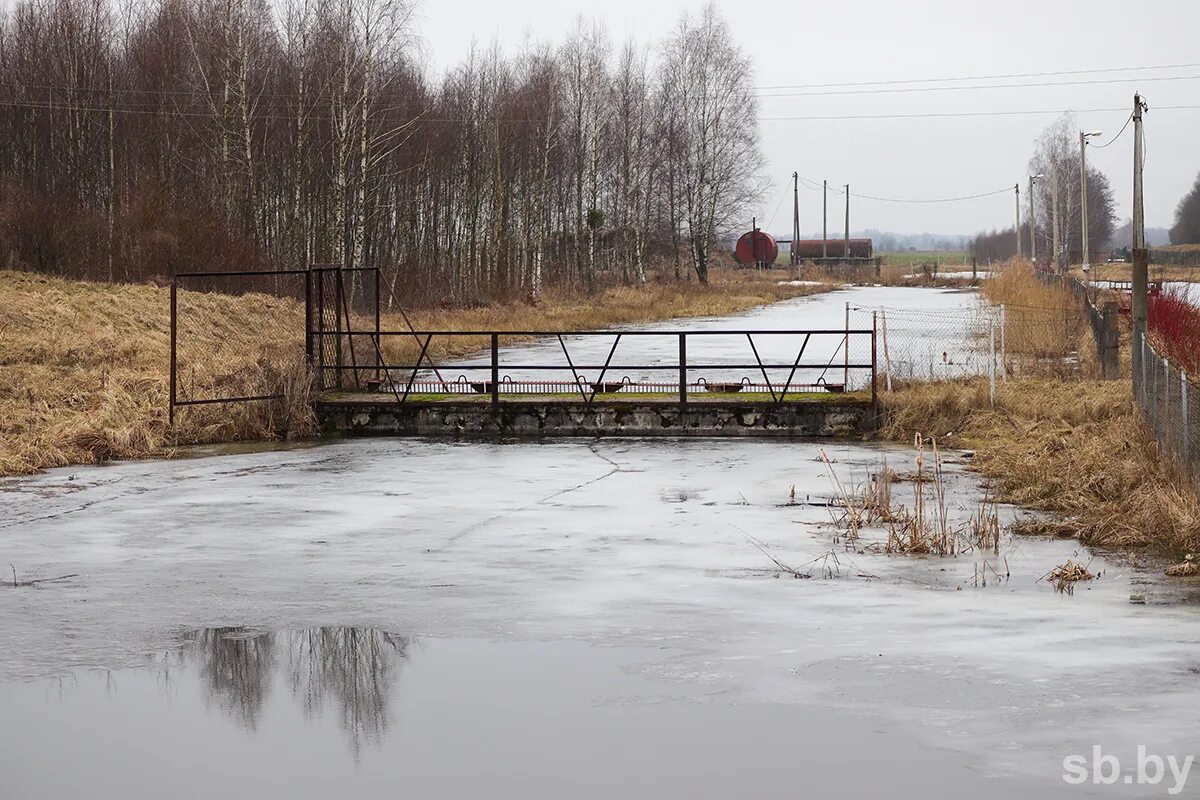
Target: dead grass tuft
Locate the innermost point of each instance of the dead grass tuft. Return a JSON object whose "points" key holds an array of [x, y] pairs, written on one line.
{"points": [[1064, 577]]}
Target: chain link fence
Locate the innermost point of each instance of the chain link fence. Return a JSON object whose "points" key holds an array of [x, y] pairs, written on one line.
{"points": [[1170, 402], [235, 333], [980, 339]]}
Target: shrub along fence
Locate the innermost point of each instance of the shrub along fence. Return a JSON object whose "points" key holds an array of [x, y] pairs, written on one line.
{"points": [[1170, 402]]}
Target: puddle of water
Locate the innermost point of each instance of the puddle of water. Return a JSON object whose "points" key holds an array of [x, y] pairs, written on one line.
{"points": [[336, 712]]}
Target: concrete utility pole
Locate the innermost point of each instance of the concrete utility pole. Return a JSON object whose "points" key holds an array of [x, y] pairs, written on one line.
{"points": [[795, 217], [1033, 219], [847, 253], [825, 219], [1141, 256], [1017, 190], [1083, 140], [1055, 252]]}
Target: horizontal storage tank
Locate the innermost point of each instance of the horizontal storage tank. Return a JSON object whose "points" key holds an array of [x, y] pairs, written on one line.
{"points": [[755, 247], [836, 248]]}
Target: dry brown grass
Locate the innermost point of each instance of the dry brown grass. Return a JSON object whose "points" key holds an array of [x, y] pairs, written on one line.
{"points": [[1075, 448], [1046, 330], [84, 371], [84, 366]]}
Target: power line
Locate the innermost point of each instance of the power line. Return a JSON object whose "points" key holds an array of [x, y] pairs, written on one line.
{"points": [[814, 185], [1113, 139], [934, 115], [977, 77], [980, 87]]}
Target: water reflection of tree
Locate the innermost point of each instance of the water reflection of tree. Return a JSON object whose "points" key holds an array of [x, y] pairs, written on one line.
{"points": [[352, 669], [236, 666]]}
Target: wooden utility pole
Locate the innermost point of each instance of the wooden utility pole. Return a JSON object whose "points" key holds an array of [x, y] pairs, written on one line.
{"points": [[824, 220], [795, 217], [846, 255], [1017, 189], [1141, 257]]}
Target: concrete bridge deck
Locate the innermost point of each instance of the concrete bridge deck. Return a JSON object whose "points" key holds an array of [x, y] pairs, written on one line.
{"points": [[808, 414]]}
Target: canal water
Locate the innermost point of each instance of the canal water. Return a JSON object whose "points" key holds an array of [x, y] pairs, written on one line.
{"points": [[563, 618], [931, 333]]}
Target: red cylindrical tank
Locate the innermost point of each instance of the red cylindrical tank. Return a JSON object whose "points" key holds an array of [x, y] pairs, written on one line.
{"points": [[756, 246]]}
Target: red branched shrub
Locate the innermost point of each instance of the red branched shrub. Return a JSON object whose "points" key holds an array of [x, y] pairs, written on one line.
{"points": [[1174, 322]]}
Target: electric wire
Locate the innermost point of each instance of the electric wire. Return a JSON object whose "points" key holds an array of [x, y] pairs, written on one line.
{"points": [[977, 77], [980, 87]]}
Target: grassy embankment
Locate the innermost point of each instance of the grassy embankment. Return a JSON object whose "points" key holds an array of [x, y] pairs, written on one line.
{"points": [[1058, 440], [84, 372]]}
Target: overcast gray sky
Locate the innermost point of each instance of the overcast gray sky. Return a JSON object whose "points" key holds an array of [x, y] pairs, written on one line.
{"points": [[886, 40]]}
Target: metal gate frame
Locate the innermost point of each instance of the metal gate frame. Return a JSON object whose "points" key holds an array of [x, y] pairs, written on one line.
{"points": [[319, 307]]}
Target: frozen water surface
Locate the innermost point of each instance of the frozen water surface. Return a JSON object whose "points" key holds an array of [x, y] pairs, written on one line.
{"points": [[564, 618]]}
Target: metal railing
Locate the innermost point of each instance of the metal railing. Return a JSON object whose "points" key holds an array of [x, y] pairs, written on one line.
{"points": [[590, 380]]}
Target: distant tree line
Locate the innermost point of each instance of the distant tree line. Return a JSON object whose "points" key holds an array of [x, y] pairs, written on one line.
{"points": [[209, 134], [1057, 205], [1186, 229]]}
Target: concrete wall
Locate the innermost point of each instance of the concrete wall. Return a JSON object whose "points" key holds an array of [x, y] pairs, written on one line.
{"points": [[577, 419]]}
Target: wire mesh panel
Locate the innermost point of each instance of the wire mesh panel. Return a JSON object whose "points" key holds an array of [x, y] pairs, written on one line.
{"points": [[343, 333], [1170, 402], [237, 336]]}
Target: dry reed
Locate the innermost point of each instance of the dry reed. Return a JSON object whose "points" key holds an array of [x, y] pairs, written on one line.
{"points": [[1077, 449]]}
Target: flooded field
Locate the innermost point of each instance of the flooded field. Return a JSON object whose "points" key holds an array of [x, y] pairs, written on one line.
{"points": [[563, 618]]}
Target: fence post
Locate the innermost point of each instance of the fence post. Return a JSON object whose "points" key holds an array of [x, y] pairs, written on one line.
{"points": [[682, 369], [378, 340], [174, 341], [1111, 349], [1003, 344], [874, 361], [495, 373], [308, 318], [887, 358], [1186, 442], [992, 362]]}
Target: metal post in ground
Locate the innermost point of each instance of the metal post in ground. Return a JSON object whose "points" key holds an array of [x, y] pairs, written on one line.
{"points": [[874, 360], [308, 318], [683, 369], [378, 342], [887, 359], [1184, 412], [992, 362], [174, 342], [495, 373], [846, 348], [1003, 343]]}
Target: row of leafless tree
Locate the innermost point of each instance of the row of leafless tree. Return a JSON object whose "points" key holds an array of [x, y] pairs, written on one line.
{"points": [[1057, 209], [205, 134]]}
